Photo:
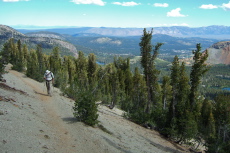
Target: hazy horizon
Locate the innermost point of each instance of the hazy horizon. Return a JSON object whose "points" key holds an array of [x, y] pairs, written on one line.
{"points": [[60, 26], [110, 13]]}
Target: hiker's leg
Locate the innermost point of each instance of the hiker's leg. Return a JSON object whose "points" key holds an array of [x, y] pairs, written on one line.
{"points": [[48, 88]]}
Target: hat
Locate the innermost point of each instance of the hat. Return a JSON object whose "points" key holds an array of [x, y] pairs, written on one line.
{"points": [[47, 71]]}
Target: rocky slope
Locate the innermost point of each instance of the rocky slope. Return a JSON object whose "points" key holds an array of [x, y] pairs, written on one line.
{"points": [[31, 121], [219, 53], [46, 34], [7, 32], [47, 41]]}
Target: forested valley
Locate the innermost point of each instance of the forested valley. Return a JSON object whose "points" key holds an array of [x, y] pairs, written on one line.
{"points": [[182, 102]]}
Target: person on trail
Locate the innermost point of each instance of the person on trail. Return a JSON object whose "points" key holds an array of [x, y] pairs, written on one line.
{"points": [[48, 76]]}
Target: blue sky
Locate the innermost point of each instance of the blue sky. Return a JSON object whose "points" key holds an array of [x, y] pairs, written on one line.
{"points": [[115, 13]]}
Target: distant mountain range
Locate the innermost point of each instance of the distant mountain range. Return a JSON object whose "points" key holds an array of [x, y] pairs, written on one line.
{"points": [[217, 32], [125, 41], [130, 45], [90, 42], [219, 51]]}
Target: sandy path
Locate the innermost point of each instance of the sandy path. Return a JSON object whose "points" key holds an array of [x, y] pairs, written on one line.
{"points": [[41, 123], [51, 116], [60, 132]]}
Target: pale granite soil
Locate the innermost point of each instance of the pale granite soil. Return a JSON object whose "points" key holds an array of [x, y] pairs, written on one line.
{"points": [[32, 122]]}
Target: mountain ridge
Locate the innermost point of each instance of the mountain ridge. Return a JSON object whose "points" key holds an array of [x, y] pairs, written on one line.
{"points": [[96, 43], [214, 31], [7, 32]]}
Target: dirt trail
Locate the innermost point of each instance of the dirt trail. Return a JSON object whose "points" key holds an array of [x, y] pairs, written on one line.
{"points": [[53, 118], [41, 123]]}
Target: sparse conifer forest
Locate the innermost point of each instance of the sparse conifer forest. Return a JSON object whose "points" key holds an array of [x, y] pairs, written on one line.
{"points": [[176, 105]]}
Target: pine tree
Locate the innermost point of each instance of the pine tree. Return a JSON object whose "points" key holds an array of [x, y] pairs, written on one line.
{"points": [[199, 68], [138, 99], [190, 128], [167, 92], [175, 77], [40, 62], [2, 67], [183, 87], [150, 71], [20, 56], [125, 104], [92, 68], [120, 65], [77, 73], [221, 142], [12, 51], [105, 87], [171, 121], [114, 86], [81, 69], [85, 107], [55, 65], [68, 65], [182, 106], [33, 66], [124, 77], [46, 60], [128, 78], [55, 60], [207, 121], [19, 59], [5, 53], [24, 54], [4, 58]]}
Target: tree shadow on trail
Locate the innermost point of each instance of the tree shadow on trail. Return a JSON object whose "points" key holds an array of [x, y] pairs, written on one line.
{"points": [[165, 148], [115, 145], [41, 93], [70, 120]]}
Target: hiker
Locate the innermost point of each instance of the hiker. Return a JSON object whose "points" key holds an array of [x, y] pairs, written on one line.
{"points": [[48, 76]]}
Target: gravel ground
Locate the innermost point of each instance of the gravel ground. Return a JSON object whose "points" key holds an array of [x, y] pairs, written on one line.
{"points": [[32, 122]]}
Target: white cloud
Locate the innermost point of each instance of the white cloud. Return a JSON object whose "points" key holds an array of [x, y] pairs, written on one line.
{"points": [[175, 13], [209, 6], [161, 5], [96, 2], [14, 0], [226, 6], [126, 3], [10, 0]]}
